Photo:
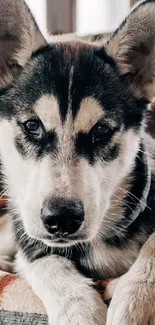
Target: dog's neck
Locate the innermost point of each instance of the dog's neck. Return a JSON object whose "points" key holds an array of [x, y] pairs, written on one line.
{"points": [[130, 199]]}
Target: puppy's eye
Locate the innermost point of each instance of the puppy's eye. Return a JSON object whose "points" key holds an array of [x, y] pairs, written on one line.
{"points": [[101, 133], [34, 127]]}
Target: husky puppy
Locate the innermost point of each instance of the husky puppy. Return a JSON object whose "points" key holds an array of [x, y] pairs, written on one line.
{"points": [[81, 184]]}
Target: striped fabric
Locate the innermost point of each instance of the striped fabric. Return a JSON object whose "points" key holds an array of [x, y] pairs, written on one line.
{"points": [[18, 304]]}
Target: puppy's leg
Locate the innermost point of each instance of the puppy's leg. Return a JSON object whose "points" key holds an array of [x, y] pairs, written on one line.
{"points": [[69, 297], [133, 302]]}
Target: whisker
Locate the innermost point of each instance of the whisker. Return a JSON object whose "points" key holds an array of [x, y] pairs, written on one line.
{"points": [[124, 203], [147, 153], [133, 196], [4, 192]]}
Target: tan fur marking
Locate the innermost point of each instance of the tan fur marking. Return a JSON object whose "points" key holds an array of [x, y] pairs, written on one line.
{"points": [[89, 114], [47, 109]]}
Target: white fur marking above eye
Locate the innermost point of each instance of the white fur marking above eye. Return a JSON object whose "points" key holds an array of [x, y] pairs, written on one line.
{"points": [[47, 109], [89, 113]]}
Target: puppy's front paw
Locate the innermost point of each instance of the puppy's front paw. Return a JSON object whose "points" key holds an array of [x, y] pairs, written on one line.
{"points": [[82, 310], [133, 302]]}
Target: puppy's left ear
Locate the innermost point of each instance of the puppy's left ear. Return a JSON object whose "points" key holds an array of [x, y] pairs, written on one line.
{"points": [[132, 47]]}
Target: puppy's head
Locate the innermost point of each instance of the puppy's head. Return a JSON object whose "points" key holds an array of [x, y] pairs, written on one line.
{"points": [[71, 122]]}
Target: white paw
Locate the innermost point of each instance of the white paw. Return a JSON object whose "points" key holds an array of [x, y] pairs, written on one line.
{"points": [[82, 311], [133, 302]]}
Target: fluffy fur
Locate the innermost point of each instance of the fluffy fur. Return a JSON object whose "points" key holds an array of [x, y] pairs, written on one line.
{"points": [[89, 102]]}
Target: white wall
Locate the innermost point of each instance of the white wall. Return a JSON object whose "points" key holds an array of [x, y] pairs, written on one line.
{"points": [[95, 16], [92, 16], [38, 8]]}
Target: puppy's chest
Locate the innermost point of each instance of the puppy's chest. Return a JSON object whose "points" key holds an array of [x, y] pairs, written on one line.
{"points": [[103, 261]]}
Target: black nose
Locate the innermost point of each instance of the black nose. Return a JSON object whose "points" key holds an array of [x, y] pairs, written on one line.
{"points": [[62, 216]]}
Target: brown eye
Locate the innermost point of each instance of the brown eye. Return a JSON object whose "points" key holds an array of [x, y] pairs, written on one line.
{"points": [[33, 127], [101, 133]]}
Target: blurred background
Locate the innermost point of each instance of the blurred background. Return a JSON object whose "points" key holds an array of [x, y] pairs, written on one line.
{"points": [[80, 16]]}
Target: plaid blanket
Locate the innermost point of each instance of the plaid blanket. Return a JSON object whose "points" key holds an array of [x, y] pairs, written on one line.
{"points": [[18, 304]]}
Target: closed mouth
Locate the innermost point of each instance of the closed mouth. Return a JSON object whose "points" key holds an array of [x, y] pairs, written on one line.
{"points": [[62, 239], [56, 239]]}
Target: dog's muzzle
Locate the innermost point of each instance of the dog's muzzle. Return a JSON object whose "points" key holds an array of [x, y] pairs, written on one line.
{"points": [[62, 217]]}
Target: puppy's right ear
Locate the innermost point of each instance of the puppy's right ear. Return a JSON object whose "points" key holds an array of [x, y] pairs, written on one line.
{"points": [[19, 38]]}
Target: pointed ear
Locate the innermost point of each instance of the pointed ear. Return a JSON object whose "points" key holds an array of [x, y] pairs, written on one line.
{"points": [[132, 47], [19, 38]]}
